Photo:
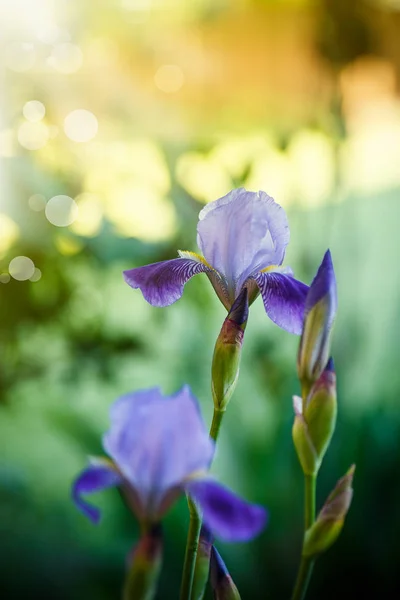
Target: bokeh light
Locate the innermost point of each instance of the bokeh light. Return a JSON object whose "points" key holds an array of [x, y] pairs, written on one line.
{"points": [[4, 277], [66, 58], [21, 268], [33, 136], [37, 202], [169, 78], [9, 232], [80, 125], [37, 274], [34, 111], [61, 210]]}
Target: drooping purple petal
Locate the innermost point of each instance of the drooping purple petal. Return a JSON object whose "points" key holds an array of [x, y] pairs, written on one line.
{"points": [[242, 233], [162, 283], [99, 475], [225, 514], [284, 299], [157, 442]]}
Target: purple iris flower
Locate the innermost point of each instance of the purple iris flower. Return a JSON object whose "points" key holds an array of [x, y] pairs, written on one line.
{"points": [[243, 238], [159, 448]]}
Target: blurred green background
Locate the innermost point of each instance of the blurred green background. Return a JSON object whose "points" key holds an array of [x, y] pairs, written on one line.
{"points": [[136, 113]]}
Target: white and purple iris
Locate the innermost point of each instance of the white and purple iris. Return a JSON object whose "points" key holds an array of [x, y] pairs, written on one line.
{"points": [[159, 448], [243, 238]]}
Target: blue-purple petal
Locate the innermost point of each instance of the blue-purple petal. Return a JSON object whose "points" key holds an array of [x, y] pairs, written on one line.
{"points": [[157, 441], [284, 299], [226, 515], [98, 476], [162, 283], [323, 285], [242, 233]]}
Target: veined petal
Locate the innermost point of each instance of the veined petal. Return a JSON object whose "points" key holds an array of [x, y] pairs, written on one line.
{"points": [[162, 283], [225, 514], [99, 475], [242, 233], [284, 299], [157, 442]]}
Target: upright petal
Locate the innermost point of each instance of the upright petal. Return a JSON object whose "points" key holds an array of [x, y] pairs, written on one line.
{"points": [[162, 283], [284, 299], [157, 442], [320, 312], [226, 515], [99, 475], [242, 233]]}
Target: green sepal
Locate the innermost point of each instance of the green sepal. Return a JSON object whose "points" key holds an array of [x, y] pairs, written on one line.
{"points": [[302, 441], [320, 412]]}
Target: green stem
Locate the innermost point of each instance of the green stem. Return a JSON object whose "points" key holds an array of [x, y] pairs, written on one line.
{"points": [[306, 563], [191, 551], [310, 482], [303, 578], [216, 423], [192, 541]]}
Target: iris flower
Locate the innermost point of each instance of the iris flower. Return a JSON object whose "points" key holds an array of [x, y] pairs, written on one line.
{"points": [[243, 238], [159, 448]]}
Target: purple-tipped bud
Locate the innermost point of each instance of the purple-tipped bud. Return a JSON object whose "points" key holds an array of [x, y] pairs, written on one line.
{"points": [[315, 420], [227, 352], [202, 567], [145, 565], [221, 582], [329, 523], [319, 316]]}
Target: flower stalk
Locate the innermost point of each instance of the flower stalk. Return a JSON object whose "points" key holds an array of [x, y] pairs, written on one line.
{"points": [[142, 577]]}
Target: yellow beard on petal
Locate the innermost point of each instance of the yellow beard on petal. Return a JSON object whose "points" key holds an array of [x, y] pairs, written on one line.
{"points": [[194, 256]]}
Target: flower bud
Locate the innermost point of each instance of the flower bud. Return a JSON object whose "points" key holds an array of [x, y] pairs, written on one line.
{"points": [[227, 352], [202, 567], [319, 315], [145, 566], [221, 582], [329, 523], [315, 420]]}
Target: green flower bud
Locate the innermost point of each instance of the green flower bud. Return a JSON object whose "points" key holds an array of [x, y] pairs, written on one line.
{"points": [[142, 577], [315, 420], [329, 523], [221, 582], [319, 315], [227, 352]]}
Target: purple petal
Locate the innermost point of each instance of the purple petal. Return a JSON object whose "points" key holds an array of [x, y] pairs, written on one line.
{"points": [[242, 233], [157, 441], [320, 312], [221, 582], [323, 287], [162, 283], [226, 515], [99, 475], [284, 299]]}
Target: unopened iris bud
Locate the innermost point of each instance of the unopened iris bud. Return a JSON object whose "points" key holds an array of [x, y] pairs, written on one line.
{"points": [[221, 582], [319, 315], [145, 565], [227, 352], [315, 420], [326, 529], [202, 567]]}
